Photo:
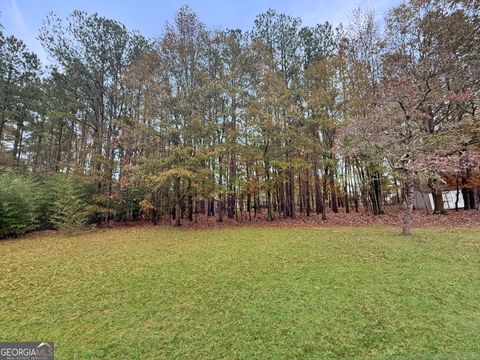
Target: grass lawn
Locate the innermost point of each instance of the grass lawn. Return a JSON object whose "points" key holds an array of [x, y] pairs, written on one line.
{"points": [[245, 293]]}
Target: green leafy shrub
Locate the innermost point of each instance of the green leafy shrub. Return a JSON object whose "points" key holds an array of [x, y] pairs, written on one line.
{"points": [[69, 209], [18, 205], [46, 197]]}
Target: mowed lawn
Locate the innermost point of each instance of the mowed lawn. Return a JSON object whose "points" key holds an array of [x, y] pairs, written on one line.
{"points": [[245, 293]]}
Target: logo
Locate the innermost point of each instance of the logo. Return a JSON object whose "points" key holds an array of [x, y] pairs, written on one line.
{"points": [[26, 351]]}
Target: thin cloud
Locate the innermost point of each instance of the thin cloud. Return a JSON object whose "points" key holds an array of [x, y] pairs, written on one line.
{"points": [[18, 20], [23, 30]]}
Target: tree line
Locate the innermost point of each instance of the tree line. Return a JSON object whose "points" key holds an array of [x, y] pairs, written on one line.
{"points": [[280, 121]]}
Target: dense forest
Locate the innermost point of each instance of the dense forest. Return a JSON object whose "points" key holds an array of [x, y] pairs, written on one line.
{"points": [[281, 121]]}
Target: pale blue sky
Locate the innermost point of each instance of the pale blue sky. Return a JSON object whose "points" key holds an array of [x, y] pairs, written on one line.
{"points": [[23, 18]]}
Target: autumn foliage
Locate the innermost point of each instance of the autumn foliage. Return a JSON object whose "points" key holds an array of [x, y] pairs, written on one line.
{"points": [[282, 122]]}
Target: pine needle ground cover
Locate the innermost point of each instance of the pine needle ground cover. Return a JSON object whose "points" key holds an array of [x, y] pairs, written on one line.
{"points": [[243, 293]]}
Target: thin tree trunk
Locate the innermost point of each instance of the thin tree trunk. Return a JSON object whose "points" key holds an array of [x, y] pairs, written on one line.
{"points": [[178, 202], [301, 195], [190, 208], [457, 196], [318, 193], [220, 208], [375, 193], [307, 192], [220, 195], [231, 202], [324, 195], [333, 190], [292, 193], [269, 195], [345, 187], [409, 200]]}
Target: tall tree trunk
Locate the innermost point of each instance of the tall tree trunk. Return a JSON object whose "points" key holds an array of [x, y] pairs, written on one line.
{"points": [[220, 195], [195, 210], [2, 122], [318, 193], [301, 194], [465, 193], [473, 198], [231, 202], [329, 176], [345, 187], [307, 192], [409, 200], [333, 190], [269, 194], [292, 193], [17, 140], [190, 208], [457, 195], [269, 206], [178, 202], [375, 192], [267, 174], [324, 196], [241, 206], [281, 194], [437, 198], [220, 208], [363, 187], [353, 184], [233, 163], [377, 181]]}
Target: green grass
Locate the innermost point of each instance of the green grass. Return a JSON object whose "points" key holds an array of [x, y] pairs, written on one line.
{"points": [[245, 293]]}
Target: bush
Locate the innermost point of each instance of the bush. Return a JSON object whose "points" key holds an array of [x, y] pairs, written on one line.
{"points": [[30, 203], [69, 210], [18, 205], [47, 195]]}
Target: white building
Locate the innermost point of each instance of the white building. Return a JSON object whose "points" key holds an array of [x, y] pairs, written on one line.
{"points": [[425, 200]]}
